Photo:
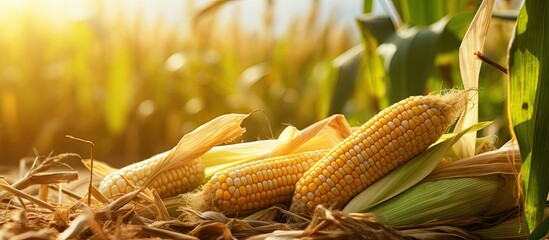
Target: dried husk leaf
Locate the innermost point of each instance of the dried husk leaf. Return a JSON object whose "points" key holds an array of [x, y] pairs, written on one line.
{"points": [[163, 233], [49, 178], [223, 129], [76, 226], [18, 193], [440, 232], [505, 160], [39, 166], [469, 66], [320, 135], [333, 224], [100, 169], [212, 231]]}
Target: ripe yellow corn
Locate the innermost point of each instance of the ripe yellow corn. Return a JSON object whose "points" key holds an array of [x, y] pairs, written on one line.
{"points": [[259, 184], [388, 140], [170, 183]]}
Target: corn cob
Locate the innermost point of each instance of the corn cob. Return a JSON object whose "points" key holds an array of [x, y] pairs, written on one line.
{"points": [[388, 140], [170, 183], [178, 170], [259, 184]]}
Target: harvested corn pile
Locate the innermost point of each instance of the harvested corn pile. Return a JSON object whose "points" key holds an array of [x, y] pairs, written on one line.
{"points": [[422, 168], [140, 200]]}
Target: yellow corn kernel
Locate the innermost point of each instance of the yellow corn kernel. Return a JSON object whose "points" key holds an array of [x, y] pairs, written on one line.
{"points": [[170, 183], [388, 140], [272, 181]]}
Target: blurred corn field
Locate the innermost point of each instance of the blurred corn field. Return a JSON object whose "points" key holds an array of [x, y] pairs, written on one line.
{"points": [[133, 86]]}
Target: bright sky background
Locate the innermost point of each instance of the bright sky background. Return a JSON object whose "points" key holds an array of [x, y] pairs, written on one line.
{"points": [[251, 10], [171, 12]]}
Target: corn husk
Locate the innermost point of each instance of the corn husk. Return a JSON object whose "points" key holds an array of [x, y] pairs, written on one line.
{"points": [[413, 171], [445, 199], [483, 185], [511, 229], [320, 135], [469, 67]]}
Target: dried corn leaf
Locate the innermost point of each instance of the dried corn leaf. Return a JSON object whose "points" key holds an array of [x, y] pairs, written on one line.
{"points": [[505, 160], [163, 233], [223, 129], [38, 170], [333, 224], [100, 169], [469, 66], [320, 135], [18, 193]]}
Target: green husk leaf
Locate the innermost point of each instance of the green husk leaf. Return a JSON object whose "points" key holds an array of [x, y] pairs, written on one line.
{"points": [[441, 200], [413, 171], [529, 111]]}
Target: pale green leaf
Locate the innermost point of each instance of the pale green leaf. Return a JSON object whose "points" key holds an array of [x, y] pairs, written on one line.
{"points": [[440, 200]]}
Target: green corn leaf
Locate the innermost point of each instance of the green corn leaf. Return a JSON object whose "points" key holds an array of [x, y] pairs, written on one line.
{"points": [[413, 171], [379, 27], [357, 77], [346, 67], [422, 13], [408, 57], [454, 31], [540, 231], [367, 6], [529, 108]]}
